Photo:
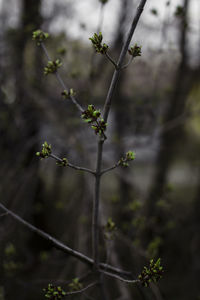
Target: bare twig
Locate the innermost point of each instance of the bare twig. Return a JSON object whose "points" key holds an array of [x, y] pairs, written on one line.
{"points": [[128, 63], [120, 278], [111, 60], [71, 165], [110, 169], [63, 85], [121, 59], [59, 245]]}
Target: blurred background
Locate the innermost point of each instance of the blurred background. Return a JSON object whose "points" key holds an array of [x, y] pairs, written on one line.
{"points": [[155, 203]]}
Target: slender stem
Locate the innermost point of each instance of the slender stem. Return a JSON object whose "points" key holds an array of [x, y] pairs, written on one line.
{"points": [[109, 169], [95, 220], [56, 243], [121, 59], [129, 62], [63, 85], [111, 60], [45, 51], [71, 165], [120, 278], [59, 245]]}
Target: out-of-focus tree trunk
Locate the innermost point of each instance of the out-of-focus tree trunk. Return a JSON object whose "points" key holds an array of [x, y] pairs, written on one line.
{"points": [[23, 143], [170, 139], [120, 104]]}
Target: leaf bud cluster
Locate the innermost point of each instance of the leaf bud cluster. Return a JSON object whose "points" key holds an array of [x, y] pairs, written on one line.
{"points": [[152, 273], [135, 50], [68, 93], [130, 155], [62, 163], [75, 285], [110, 230], [54, 292], [97, 43], [93, 117], [52, 66], [39, 36], [46, 150]]}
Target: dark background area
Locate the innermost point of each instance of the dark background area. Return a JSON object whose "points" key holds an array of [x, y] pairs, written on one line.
{"points": [[155, 203]]}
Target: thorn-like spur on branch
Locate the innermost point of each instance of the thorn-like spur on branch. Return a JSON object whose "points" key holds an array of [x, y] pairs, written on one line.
{"points": [[121, 59], [59, 245], [52, 67]]}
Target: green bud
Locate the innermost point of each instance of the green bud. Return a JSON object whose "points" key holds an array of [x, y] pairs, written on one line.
{"points": [[62, 163], [135, 51], [68, 94], [39, 36], [54, 292], [46, 150], [75, 285], [96, 41], [52, 67], [152, 273], [154, 11], [130, 155]]}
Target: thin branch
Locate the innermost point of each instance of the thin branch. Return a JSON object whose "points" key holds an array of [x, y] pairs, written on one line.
{"points": [[63, 85], [120, 278], [82, 290], [71, 165], [59, 245], [56, 243], [111, 60], [121, 59], [126, 65], [110, 169]]}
